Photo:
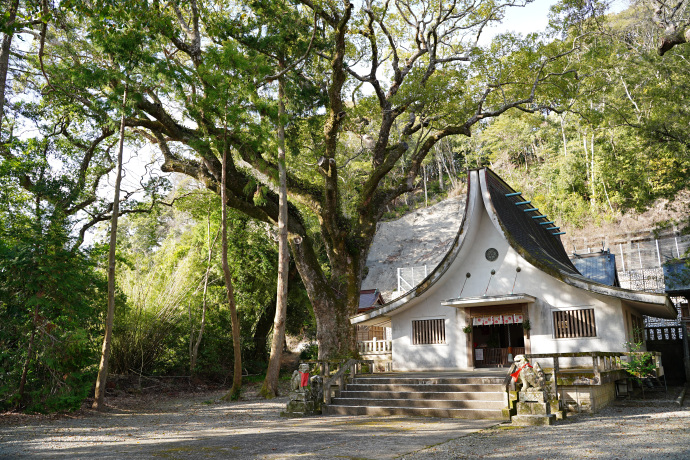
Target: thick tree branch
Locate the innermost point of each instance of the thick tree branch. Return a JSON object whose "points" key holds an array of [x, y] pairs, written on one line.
{"points": [[674, 21]]}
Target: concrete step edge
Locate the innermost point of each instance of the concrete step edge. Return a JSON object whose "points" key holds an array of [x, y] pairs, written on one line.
{"points": [[477, 414], [449, 395], [419, 403]]}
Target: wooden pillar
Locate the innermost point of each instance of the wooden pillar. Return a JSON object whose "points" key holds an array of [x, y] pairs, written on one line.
{"points": [[469, 340], [525, 316], [556, 368], [595, 368]]}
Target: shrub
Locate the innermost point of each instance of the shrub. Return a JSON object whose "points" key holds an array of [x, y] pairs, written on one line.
{"points": [[310, 352]]}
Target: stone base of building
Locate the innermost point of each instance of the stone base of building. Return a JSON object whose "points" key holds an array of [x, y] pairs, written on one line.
{"points": [[587, 398]]}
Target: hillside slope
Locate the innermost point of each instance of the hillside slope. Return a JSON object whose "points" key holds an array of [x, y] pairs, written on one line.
{"points": [[417, 239], [423, 237]]}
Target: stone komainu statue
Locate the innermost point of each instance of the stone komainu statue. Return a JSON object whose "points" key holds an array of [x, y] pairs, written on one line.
{"points": [[529, 376], [306, 393], [535, 404], [300, 378]]}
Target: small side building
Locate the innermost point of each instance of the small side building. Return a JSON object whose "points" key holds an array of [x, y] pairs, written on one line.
{"points": [[370, 299]]}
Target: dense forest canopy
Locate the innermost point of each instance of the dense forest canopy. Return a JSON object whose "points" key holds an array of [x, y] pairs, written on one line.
{"points": [[382, 99]]}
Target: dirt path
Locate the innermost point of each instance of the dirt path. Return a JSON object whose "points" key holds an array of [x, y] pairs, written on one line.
{"points": [[200, 426]]}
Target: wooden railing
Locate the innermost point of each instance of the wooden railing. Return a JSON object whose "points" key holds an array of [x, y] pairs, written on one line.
{"points": [[602, 362], [374, 346], [338, 372], [498, 356], [663, 333]]}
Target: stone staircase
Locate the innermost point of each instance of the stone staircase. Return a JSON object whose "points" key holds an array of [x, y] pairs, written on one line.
{"points": [[446, 397]]}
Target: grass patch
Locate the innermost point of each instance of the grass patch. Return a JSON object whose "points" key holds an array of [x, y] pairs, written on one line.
{"points": [[505, 427]]}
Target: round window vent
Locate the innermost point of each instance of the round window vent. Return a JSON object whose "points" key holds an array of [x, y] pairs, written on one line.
{"points": [[491, 254]]}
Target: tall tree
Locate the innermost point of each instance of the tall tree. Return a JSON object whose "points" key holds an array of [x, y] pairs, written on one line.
{"points": [[8, 28], [274, 45], [425, 76], [234, 392], [270, 386], [101, 381]]}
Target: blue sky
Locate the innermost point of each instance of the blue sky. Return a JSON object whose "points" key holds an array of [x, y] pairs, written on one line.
{"points": [[535, 17]]}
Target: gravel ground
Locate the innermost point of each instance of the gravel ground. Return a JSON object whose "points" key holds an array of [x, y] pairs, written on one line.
{"points": [[199, 426], [620, 431]]}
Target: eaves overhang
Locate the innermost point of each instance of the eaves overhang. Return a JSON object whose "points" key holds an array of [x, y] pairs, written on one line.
{"points": [[646, 303], [483, 301]]}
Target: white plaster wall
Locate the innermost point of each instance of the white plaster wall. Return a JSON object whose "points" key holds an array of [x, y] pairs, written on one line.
{"points": [[551, 293], [481, 235]]}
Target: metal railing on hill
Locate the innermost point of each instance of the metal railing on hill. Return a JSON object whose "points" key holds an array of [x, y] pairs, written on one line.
{"points": [[409, 277]]}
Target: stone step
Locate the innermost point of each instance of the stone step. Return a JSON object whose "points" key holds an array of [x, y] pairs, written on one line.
{"points": [[449, 395], [414, 395], [473, 414], [357, 386], [419, 403], [430, 380]]}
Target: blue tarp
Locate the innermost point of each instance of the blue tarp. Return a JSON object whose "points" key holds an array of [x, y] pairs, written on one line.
{"points": [[677, 276], [600, 267]]}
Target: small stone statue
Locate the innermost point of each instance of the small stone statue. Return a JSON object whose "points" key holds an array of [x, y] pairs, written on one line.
{"points": [[300, 378], [535, 406], [306, 395], [528, 375]]}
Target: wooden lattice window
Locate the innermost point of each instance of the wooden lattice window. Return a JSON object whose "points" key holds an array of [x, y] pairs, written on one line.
{"points": [[571, 324], [428, 331], [369, 332], [637, 332]]}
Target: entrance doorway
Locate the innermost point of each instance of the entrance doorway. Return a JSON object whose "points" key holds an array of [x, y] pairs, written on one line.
{"points": [[496, 345], [497, 334]]}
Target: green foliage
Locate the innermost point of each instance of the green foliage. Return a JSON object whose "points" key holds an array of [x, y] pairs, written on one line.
{"points": [[50, 294], [622, 145], [641, 364], [310, 352], [164, 255]]}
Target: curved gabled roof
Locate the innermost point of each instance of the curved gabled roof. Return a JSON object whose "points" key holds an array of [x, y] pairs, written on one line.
{"points": [[526, 230], [531, 235]]}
